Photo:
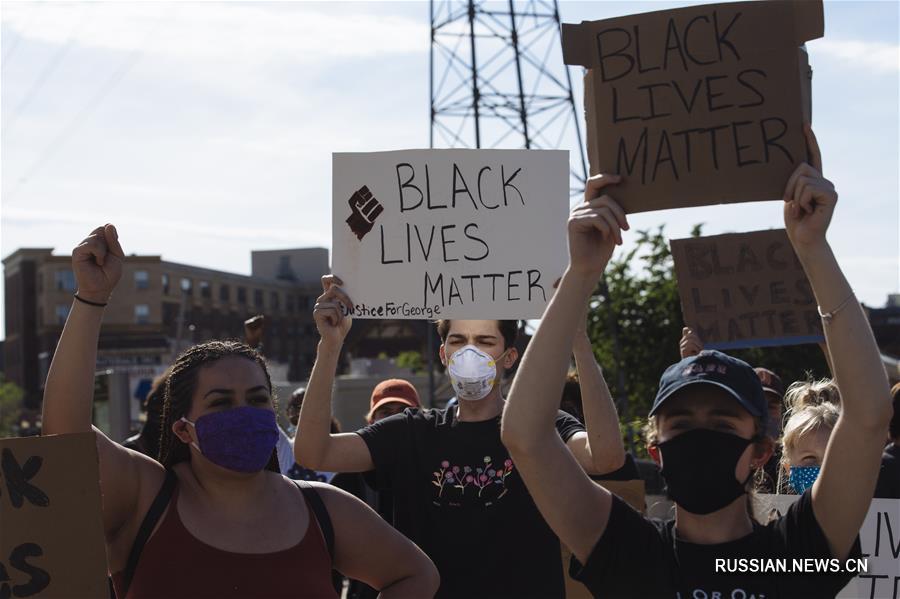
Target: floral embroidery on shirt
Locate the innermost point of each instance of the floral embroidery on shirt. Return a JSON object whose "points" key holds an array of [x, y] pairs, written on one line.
{"points": [[473, 481]]}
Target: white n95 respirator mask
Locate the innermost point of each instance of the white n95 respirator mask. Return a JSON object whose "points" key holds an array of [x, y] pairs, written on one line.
{"points": [[472, 372]]}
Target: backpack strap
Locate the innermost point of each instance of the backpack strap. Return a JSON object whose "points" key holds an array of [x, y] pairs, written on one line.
{"points": [[314, 500], [153, 515]]}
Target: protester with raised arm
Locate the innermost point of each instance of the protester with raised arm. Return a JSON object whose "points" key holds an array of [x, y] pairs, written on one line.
{"points": [[456, 492], [709, 421], [213, 517]]}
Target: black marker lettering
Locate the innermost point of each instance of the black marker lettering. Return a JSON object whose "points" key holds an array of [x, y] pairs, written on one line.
{"points": [[742, 79], [445, 242], [769, 140], [507, 182], [481, 197], [458, 177], [487, 250], [401, 185], [618, 53]]}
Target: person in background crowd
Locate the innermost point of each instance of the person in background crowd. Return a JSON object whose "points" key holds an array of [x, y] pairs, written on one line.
{"points": [[147, 441], [229, 524], [389, 397], [456, 491], [289, 467], [709, 428], [773, 389], [813, 412], [889, 476], [588, 379]]}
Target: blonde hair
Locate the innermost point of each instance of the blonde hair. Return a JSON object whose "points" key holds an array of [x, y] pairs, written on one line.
{"points": [[811, 406], [811, 393]]}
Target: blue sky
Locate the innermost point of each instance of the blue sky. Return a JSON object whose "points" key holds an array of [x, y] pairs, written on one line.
{"points": [[204, 130]]}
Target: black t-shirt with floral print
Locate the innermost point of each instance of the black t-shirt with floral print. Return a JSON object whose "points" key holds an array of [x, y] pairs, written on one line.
{"points": [[458, 495]]}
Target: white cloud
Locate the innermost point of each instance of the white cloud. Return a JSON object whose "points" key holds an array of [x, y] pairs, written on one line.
{"points": [[250, 34], [880, 57]]}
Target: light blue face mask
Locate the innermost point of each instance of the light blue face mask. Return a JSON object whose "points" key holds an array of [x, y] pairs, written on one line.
{"points": [[803, 477]]}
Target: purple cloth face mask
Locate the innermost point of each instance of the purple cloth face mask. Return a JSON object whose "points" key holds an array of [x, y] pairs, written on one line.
{"points": [[240, 439]]}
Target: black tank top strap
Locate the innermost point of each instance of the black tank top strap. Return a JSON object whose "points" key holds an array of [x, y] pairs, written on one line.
{"points": [[314, 500], [160, 502]]}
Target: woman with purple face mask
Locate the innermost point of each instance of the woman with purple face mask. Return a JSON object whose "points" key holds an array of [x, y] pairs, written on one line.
{"points": [[214, 517]]}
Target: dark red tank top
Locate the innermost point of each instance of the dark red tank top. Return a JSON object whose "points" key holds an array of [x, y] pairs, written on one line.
{"points": [[176, 565]]}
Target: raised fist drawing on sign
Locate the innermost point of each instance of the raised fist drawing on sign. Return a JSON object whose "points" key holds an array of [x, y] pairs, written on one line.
{"points": [[365, 210]]}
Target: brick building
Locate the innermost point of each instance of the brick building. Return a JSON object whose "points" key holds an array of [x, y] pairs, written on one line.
{"points": [[160, 308]]}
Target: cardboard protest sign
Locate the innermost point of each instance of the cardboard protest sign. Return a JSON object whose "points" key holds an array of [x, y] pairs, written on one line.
{"points": [[450, 233], [698, 105], [745, 290], [879, 540], [51, 531]]}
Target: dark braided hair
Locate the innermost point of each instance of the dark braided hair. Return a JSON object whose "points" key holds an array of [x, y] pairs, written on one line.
{"points": [[179, 392]]}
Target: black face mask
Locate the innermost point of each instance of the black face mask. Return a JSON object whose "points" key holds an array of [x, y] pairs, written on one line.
{"points": [[698, 467]]}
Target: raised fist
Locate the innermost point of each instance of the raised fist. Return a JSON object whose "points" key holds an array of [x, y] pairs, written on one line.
{"points": [[365, 210], [97, 264]]}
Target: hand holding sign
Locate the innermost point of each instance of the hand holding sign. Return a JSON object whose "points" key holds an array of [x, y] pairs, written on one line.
{"points": [[328, 313], [809, 200], [595, 228], [690, 344], [97, 262], [365, 210]]}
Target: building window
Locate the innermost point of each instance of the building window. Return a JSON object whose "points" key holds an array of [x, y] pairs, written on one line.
{"points": [[258, 298], [291, 303], [274, 303], [141, 279], [65, 280], [242, 295], [141, 313], [284, 268], [187, 286], [224, 293], [165, 283], [205, 290], [62, 313]]}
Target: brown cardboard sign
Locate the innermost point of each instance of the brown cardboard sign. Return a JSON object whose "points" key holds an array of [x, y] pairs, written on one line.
{"points": [[51, 529], [699, 105], [745, 290]]}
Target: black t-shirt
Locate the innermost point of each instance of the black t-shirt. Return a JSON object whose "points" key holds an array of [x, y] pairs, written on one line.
{"points": [[458, 496], [641, 557], [628, 471], [889, 476]]}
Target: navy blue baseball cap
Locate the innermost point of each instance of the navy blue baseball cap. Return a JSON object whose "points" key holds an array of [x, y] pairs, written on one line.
{"points": [[712, 367]]}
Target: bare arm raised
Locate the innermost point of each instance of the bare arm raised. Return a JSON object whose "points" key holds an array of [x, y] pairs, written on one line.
{"points": [[69, 391], [575, 508], [315, 446], [600, 417], [843, 490], [398, 568]]}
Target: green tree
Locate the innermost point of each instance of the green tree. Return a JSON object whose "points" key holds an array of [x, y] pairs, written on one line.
{"points": [[412, 360], [10, 407], [637, 308], [635, 325]]}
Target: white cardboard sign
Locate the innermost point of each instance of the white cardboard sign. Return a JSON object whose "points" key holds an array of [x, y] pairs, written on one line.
{"points": [[879, 539], [427, 234]]}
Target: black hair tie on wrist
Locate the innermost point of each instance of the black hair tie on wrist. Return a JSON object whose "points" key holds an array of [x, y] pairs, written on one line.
{"points": [[88, 302]]}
